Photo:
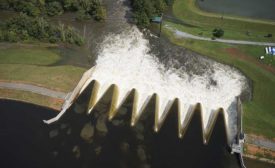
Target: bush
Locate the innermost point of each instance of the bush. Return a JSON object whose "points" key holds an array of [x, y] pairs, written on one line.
{"points": [[11, 36], [4, 4], [144, 10], [2, 37], [53, 39], [218, 32], [24, 27], [82, 15], [54, 8], [100, 13]]}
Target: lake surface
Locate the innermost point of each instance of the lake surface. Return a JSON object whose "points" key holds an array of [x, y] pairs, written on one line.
{"points": [[80, 141], [260, 9]]}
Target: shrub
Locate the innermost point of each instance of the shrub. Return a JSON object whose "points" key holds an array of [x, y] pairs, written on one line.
{"points": [[11, 36], [82, 15], [100, 13], [144, 10], [218, 32], [54, 8]]}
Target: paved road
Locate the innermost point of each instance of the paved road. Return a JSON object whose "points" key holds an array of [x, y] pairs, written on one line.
{"points": [[260, 142], [191, 36], [34, 89]]}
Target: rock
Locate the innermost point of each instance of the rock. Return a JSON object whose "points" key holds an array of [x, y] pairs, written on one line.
{"points": [[139, 127], [123, 111], [98, 150], [79, 108], [140, 137], [117, 122], [101, 107], [124, 147], [53, 133], [63, 126], [55, 153], [141, 154], [87, 132], [76, 151], [69, 131], [101, 125]]}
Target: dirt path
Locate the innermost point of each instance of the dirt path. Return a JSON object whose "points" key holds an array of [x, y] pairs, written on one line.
{"points": [[34, 89], [182, 34]]}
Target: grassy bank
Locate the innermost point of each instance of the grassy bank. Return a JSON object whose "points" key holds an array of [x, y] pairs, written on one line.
{"points": [[259, 113], [234, 27], [30, 56], [31, 97], [33, 64]]}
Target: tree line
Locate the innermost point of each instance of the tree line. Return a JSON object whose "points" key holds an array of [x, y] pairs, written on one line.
{"points": [[26, 28], [144, 10], [86, 9]]}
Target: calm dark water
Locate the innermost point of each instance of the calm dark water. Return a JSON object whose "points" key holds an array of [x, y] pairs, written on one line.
{"points": [[80, 141], [261, 9]]}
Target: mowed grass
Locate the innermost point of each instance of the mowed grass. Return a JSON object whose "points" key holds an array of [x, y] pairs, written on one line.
{"points": [[31, 56], [32, 98], [254, 51], [29, 64], [259, 114], [62, 78], [234, 27]]}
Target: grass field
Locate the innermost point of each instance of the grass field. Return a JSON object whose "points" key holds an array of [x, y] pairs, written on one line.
{"points": [[31, 56], [259, 113], [31, 64], [32, 97], [234, 27]]}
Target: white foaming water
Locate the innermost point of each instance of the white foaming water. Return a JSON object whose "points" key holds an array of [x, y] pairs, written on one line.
{"points": [[124, 60]]}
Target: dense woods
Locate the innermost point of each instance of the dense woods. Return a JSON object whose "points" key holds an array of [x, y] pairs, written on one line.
{"points": [[32, 23], [26, 28], [85, 9], [144, 10]]}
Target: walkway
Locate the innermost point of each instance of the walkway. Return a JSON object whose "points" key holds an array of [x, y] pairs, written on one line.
{"points": [[260, 142], [33, 89], [191, 36]]}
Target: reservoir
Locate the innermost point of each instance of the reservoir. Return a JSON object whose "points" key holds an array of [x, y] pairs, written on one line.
{"points": [[256, 9], [80, 141]]}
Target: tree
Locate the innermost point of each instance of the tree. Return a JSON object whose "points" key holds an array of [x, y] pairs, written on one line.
{"points": [[2, 37], [70, 5], [82, 15], [11, 36], [144, 10], [54, 8], [100, 13], [218, 32]]}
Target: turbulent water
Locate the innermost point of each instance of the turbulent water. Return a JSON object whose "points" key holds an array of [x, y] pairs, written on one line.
{"points": [[125, 60]]}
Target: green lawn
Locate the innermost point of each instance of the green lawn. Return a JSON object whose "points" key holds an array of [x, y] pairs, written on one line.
{"points": [[234, 27], [29, 63], [63, 78], [31, 56], [31, 97], [259, 114]]}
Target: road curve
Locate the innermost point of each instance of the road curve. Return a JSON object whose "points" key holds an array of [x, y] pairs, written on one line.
{"points": [[33, 89], [182, 34]]}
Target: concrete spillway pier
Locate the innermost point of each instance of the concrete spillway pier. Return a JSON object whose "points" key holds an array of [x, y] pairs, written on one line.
{"points": [[184, 113]]}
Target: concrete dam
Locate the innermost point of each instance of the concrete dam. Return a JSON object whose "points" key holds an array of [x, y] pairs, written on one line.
{"points": [[152, 137], [160, 109], [117, 98]]}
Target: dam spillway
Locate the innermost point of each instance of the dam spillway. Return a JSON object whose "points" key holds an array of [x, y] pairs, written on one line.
{"points": [[126, 64]]}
